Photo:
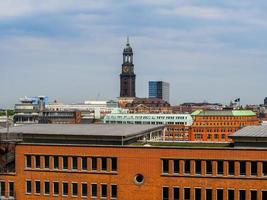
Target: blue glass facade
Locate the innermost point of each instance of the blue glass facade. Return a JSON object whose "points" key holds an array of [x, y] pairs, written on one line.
{"points": [[159, 89]]}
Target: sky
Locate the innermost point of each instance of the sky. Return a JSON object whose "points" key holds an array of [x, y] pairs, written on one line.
{"points": [[71, 50]]}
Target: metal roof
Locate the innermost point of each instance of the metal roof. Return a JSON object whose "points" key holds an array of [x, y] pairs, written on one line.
{"points": [[223, 113], [251, 131], [83, 129]]}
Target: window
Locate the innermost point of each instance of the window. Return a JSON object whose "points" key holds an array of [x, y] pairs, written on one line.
{"points": [[176, 193], [165, 193], [47, 163], [176, 166], [242, 168], [264, 168], [198, 166], [186, 193], [65, 162], [55, 188], [11, 189], [219, 194], [94, 190], [114, 193], [114, 164], [37, 161], [2, 189], [253, 195], [65, 189], [103, 190], [254, 170], [242, 194], [28, 161], [231, 167], [187, 166], [165, 166], [46, 188], [55, 162], [104, 164], [208, 167], [231, 194], [94, 164], [37, 187], [74, 189], [74, 163], [84, 163], [197, 194], [84, 190], [208, 194], [220, 167], [28, 187]]}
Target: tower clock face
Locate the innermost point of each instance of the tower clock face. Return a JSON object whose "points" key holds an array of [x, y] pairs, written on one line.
{"points": [[125, 69]]}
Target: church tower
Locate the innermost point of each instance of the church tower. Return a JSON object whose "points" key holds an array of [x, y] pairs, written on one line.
{"points": [[127, 76]]}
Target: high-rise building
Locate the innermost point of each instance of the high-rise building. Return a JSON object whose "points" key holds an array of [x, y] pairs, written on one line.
{"points": [[265, 101], [159, 89], [127, 76]]}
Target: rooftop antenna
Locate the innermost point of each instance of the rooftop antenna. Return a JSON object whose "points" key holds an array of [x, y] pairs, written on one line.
{"points": [[128, 39]]}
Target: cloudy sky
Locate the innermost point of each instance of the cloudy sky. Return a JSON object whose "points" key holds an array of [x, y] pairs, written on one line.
{"points": [[71, 50]]}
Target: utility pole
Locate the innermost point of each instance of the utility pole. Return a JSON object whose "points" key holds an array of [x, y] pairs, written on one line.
{"points": [[7, 122]]}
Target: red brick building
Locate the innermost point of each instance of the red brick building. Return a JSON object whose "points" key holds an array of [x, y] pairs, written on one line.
{"points": [[51, 168]]}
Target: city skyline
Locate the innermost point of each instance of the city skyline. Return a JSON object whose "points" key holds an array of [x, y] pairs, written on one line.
{"points": [[71, 51]]}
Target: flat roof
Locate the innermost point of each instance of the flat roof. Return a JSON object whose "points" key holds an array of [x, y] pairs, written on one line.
{"points": [[223, 113], [251, 131], [83, 129]]}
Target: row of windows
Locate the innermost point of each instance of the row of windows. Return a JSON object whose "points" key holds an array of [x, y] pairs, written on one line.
{"points": [[212, 130], [230, 118], [209, 165], [6, 189], [70, 162], [53, 188], [176, 194]]}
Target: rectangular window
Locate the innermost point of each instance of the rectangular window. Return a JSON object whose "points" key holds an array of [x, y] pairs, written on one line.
{"points": [[208, 167], [242, 168], [28, 161], [242, 194], [220, 167], [74, 189], [114, 192], [176, 166], [198, 167], [37, 162], [47, 163], [264, 168], [65, 189], [94, 164], [28, 187], [231, 194], [74, 163], [37, 187], [55, 162], [219, 194], [65, 162], [176, 193], [208, 194], [2, 189], [104, 192], [55, 188], [84, 163], [197, 194], [104, 164], [165, 166], [46, 188], [187, 167], [186, 193], [254, 168], [94, 190], [165, 193], [253, 195], [84, 190], [11, 189], [231, 167], [114, 164]]}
